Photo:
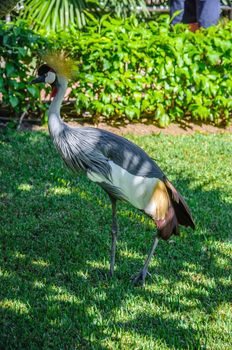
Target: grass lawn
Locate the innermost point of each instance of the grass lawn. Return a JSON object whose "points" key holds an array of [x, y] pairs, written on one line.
{"points": [[55, 292]]}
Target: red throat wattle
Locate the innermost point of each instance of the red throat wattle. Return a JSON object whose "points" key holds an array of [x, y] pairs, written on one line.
{"points": [[54, 91]]}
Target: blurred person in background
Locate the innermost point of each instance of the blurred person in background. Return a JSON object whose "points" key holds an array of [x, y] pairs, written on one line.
{"points": [[196, 13]]}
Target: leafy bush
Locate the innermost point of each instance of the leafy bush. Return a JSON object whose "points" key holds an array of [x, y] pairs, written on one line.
{"points": [[145, 71], [19, 51], [128, 70]]}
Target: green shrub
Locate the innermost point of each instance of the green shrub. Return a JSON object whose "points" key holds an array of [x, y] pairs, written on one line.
{"points": [[19, 52], [145, 71], [128, 70]]}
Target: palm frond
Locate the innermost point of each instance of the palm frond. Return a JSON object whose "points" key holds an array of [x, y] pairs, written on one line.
{"points": [[59, 14], [55, 14]]}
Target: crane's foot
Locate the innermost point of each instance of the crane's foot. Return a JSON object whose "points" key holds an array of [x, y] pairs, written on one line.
{"points": [[139, 279]]}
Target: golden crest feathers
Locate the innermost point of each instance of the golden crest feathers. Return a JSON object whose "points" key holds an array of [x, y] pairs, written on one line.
{"points": [[62, 65]]}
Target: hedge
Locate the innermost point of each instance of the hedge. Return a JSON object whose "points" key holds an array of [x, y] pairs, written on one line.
{"points": [[20, 49], [136, 71]]}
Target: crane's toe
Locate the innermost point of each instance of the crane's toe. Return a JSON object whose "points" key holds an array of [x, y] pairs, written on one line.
{"points": [[139, 279]]}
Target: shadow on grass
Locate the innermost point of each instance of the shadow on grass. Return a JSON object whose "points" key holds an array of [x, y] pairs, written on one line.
{"points": [[55, 243]]}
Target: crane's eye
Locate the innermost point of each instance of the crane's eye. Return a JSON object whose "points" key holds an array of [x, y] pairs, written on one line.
{"points": [[50, 77]]}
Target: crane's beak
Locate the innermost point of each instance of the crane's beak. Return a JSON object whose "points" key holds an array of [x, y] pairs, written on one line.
{"points": [[40, 79]]}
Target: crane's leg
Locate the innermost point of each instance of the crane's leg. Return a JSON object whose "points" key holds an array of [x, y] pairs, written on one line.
{"points": [[140, 277], [114, 233]]}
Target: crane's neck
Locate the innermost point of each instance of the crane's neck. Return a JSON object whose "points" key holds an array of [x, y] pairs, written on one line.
{"points": [[55, 123]]}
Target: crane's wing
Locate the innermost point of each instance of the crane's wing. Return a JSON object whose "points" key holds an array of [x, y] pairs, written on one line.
{"points": [[78, 151], [96, 147], [123, 169]]}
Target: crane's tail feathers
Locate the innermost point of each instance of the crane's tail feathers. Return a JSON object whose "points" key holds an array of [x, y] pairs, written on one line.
{"points": [[181, 208], [177, 214]]}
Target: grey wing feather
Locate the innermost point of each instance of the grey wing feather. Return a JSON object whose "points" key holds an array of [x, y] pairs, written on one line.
{"points": [[91, 149], [78, 152], [124, 153]]}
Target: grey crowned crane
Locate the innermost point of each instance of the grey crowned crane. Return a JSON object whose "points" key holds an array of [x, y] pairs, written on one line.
{"points": [[119, 166]]}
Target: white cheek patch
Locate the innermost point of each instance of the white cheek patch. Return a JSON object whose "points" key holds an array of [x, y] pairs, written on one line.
{"points": [[50, 78]]}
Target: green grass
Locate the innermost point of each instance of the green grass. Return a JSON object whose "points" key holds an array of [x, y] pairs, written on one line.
{"points": [[55, 292]]}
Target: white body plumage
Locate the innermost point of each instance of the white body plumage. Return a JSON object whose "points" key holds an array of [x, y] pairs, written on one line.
{"points": [[137, 190]]}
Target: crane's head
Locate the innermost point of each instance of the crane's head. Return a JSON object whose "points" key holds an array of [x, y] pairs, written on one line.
{"points": [[46, 74], [57, 66]]}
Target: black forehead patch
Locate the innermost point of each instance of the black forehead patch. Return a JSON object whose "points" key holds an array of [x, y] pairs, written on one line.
{"points": [[43, 69]]}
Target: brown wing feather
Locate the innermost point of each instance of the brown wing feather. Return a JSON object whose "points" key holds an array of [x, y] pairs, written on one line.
{"points": [[181, 208], [177, 213]]}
